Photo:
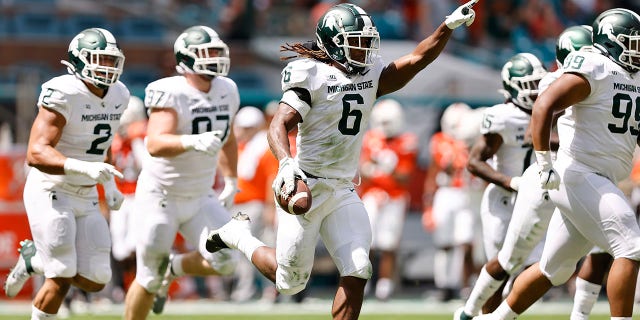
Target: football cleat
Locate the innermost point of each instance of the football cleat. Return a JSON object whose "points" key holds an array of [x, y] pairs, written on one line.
{"points": [[22, 270], [160, 299], [229, 235], [460, 315]]}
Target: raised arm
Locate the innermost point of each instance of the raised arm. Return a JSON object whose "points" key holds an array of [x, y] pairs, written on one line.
{"points": [[399, 72]]}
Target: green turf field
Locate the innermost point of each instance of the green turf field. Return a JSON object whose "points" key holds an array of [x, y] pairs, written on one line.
{"points": [[301, 317], [314, 309]]}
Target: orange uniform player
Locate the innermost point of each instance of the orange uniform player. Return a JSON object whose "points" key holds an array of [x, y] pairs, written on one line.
{"points": [[388, 160]]}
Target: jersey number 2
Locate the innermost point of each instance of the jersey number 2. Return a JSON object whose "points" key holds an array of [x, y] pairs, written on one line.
{"points": [[103, 130]]}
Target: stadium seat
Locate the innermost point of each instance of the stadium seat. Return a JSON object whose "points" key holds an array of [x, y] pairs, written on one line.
{"points": [[390, 25], [6, 27], [246, 79], [76, 23], [37, 25], [139, 75], [141, 29]]}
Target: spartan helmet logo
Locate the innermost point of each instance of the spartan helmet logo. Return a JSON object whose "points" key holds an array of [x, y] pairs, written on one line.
{"points": [[331, 22], [565, 43], [607, 28]]}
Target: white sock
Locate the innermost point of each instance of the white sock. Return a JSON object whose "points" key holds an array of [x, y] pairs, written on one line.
{"points": [[36, 314], [176, 265], [483, 289], [441, 269], [248, 245], [585, 297], [36, 264], [504, 312]]}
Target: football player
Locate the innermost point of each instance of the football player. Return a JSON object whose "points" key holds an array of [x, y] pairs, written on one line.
{"points": [[532, 209], [452, 199], [328, 95], [598, 135], [505, 142], [189, 131], [387, 162], [68, 146], [127, 155]]}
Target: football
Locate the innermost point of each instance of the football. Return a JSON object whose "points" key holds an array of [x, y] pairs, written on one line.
{"points": [[300, 200]]}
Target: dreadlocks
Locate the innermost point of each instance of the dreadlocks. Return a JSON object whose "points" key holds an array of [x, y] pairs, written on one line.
{"points": [[308, 49]]}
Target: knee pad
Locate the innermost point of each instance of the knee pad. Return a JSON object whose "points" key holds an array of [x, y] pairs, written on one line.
{"points": [[291, 280], [93, 248], [558, 274], [289, 291], [60, 241], [358, 265], [101, 275]]}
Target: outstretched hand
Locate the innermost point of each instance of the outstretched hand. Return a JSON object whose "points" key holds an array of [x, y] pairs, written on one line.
{"points": [[463, 14]]}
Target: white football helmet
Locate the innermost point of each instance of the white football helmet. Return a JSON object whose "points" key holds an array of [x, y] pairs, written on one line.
{"points": [[94, 56], [193, 52], [451, 120], [387, 115], [520, 78]]}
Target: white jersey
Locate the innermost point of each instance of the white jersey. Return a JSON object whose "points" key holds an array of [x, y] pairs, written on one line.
{"points": [[599, 133], [190, 173], [548, 78], [510, 122], [330, 135], [91, 121]]}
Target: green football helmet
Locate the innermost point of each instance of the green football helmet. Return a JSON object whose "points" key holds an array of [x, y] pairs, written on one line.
{"points": [[199, 50], [520, 78], [572, 39], [616, 32], [347, 34], [94, 56]]}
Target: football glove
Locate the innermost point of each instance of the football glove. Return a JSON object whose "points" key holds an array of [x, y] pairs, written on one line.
{"points": [[549, 178], [515, 183], [112, 195], [463, 14], [208, 142], [287, 172], [99, 172], [229, 192]]}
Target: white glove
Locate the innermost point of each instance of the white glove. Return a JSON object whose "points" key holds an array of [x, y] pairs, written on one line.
{"points": [[113, 196], [549, 178], [229, 192], [100, 172], [287, 171], [208, 142], [515, 183], [463, 14]]}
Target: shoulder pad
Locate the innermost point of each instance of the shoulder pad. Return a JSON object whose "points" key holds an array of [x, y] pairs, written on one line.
{"points": [[161, 93], [297, 74], [493, 118], [589, 64]]}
